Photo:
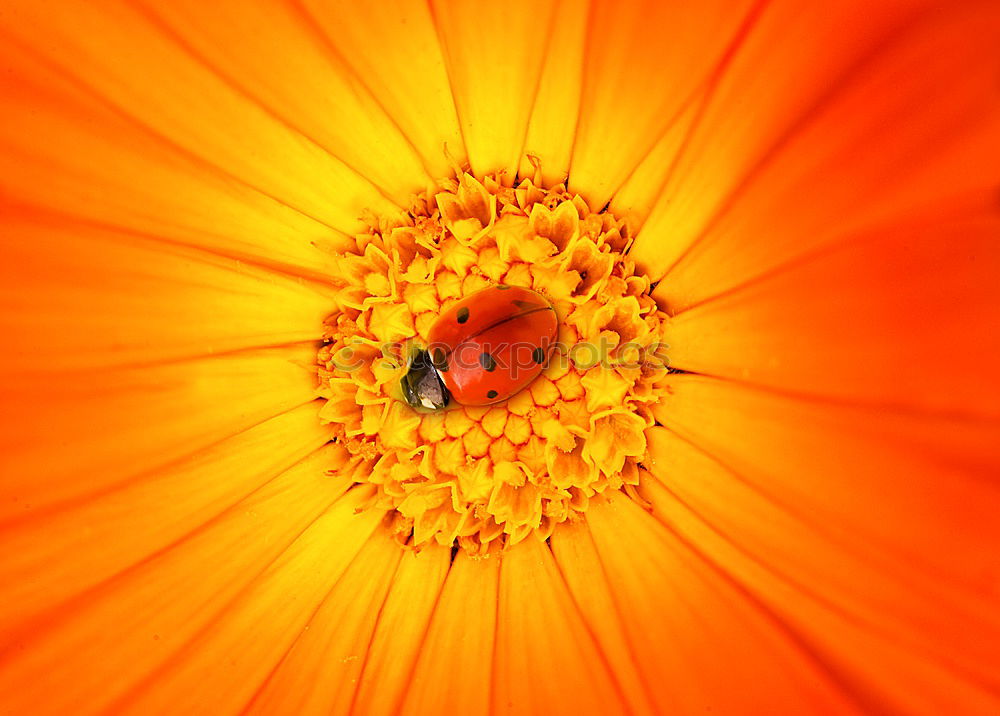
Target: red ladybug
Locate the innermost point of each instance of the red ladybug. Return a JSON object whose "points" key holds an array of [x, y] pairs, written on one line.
{"points": [[483, 350]]}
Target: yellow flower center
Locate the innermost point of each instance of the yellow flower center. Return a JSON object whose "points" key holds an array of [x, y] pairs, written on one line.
{"points": [[475, 475]]}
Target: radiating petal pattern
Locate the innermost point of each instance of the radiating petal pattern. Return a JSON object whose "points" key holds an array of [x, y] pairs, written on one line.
{"points": [[393, 48], [494, 67], [399, 635], [546, 660], [320, 671], [799, 518], [183, 496], [893, 318], [454, 670], [636, 81], [862, 147], [146, 301], [68, 150], [913, 491], [683, 615], [259, 629], [63, 433], [235, 134], [555, 111], [840, 594], [108, 645]]}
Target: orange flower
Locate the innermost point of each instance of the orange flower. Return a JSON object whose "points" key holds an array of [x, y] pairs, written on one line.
{"points": [[801, 200]]}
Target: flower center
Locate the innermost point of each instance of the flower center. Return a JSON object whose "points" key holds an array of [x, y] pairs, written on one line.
{"points": [[475, 475]]}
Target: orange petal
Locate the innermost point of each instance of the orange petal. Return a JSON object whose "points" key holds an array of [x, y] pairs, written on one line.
{"points": [[699, 642], [279, 59], [552, 127], [912, 490], [545, 659], [320, 671], [261, 626], [64, 435], [66, 151], [51, 556], [401, 627], [393, 48], [141, 634], [454, 670], [164, 95], [848, 140], [903, 317], [587, 581], [644, 62], [494, 71], [75, 297], [847, 601]]}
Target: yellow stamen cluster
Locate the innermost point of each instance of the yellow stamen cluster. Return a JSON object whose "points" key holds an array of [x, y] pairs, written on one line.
{"points": [[475, 475]]}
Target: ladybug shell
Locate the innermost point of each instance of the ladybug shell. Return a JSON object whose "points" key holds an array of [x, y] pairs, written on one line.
{"points": [[490, 345]]}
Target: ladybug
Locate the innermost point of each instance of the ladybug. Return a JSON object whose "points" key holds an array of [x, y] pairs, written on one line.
{"points": [[483, 350]]}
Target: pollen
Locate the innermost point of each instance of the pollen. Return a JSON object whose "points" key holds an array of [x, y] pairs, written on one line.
{"points": [[478, 476]]}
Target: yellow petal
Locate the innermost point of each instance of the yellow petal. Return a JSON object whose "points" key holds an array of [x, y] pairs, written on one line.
{"points": [[320, 670], [161, 412], [493, 87], [304, 89], [34, 568], [143, 301], [233, 134], [579, 563], [667, 593], [399, 634], [458, 646], [621, 107], [538, 627], [552, 126]]}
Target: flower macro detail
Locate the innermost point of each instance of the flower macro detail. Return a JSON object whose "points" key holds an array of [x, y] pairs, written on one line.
{"points": [[228, 226], [479, 475]]}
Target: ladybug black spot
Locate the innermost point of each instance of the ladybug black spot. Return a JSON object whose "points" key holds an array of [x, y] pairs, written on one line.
{"points": [[538, 355], [487, 362], [463, 315], [492, 394]]}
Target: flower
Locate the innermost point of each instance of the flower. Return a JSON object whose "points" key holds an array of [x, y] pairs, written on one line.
{"points": [[488, 476], [804, 518]]}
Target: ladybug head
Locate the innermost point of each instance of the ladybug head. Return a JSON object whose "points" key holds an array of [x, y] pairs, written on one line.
{"points": [[422, 385]]}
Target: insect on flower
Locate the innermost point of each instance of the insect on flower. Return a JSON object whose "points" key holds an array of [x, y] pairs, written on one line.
{"points": [[483, 350]]}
